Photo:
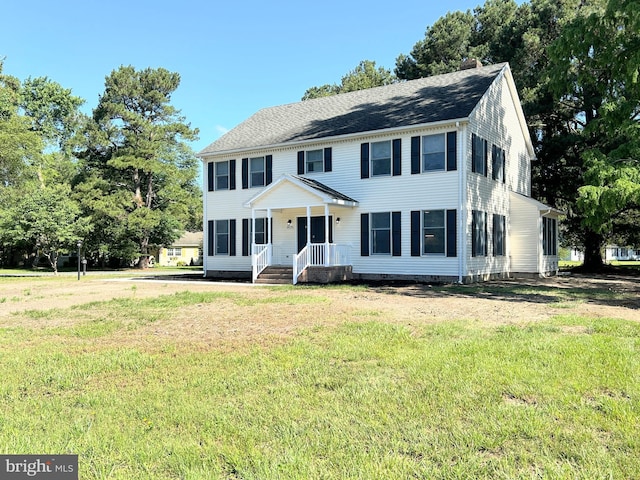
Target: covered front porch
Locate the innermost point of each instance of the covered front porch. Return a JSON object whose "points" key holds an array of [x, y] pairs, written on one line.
{"points": [[296, 223]]}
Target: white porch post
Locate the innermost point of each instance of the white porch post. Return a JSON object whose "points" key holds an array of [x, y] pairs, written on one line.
{"points": [[308, 225], [253, 228], [268, 237], [254, 260], [326, 235]]}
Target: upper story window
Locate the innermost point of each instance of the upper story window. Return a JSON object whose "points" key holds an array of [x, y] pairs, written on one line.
{"points": [[436, 152], [222, 175], [433, 152], [381, 158], [256, 171], [314, 161], [498, 164], [478, 155]]}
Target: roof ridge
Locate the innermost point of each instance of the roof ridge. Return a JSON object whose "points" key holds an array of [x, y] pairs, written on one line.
{"points": [[447, 96]]}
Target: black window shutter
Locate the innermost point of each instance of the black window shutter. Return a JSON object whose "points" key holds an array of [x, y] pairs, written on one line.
{"points": [[245, 173], [473, 152], [210, 177], [232, 174], [494, 162], [473, 233], [415, 233], [452, 151], [245, 237], [396, 234], [269, 170], [232, 237], [300, 163], [486, 236], [504, 166], [328, 154], [452, 233], [364, 234], [486, 156], [364, 160], [210, 237], [415, 155], [397, 156]]}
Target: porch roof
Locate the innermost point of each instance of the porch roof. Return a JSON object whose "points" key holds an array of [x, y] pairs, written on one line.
{"points": [[541, 207], [324, 194]]}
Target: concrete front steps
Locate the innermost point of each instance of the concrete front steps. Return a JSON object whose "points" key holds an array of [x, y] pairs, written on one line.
{"points": [[276, 274]]}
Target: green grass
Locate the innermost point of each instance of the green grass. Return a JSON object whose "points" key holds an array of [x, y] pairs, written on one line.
{"points": [[366, 399]]}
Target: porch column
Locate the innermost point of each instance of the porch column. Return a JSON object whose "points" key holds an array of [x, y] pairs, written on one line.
{"points": [[267, 237], [253, 228], [308, 225], [326, 235]]}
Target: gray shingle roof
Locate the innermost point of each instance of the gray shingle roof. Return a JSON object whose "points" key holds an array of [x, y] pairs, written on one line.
{"points": [[416, 102], [324, 189]]}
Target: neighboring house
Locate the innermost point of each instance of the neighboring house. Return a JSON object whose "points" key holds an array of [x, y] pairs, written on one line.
{"points": [[187, 250], [424, 180], [614, 252], [611, 252]]}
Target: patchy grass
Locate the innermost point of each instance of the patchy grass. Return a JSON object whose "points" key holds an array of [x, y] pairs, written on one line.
{"points": [[367, 398]]}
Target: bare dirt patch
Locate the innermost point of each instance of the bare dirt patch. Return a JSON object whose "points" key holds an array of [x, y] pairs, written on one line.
{"points": [[269, 313]]}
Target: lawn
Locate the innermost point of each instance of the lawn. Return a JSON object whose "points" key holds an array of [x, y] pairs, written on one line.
{"points": [[357, 390]]}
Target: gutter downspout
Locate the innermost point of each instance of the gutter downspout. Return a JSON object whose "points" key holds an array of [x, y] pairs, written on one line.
{"points": [[205, 225], [462, 201]]}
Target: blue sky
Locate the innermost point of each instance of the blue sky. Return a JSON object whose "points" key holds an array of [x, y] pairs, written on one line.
{"points": [[234, 58]]}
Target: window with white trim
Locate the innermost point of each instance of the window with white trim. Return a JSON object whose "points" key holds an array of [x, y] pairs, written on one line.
{"points": [[174, 251], [257, 171], [479, 155], [222, 175], [433, 232], [222, 237], [381, 158], [479, 232], [260, 231], [499, 236], [433, 152], [314, 161], [498, 164], [381, 233], [549, 236]]}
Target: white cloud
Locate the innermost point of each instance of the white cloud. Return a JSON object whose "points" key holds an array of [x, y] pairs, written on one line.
{"points": [[220, 130]]}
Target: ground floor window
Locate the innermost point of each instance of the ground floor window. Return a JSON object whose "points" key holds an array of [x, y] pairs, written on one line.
{"points": [[549, 236], [221, 237], [380, 234], [433, 232], [499, 235], [174, 252], [479, 234]]}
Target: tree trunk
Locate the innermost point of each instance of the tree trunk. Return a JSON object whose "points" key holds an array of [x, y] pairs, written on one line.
{"points": [[593, 252], [143, 261]]}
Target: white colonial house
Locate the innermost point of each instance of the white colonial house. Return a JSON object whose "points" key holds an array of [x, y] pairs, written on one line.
{"points": [[424, 180]]}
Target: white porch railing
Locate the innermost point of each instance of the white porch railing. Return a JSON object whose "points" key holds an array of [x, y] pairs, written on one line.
{"points": [[320, 255], [260, 260]]}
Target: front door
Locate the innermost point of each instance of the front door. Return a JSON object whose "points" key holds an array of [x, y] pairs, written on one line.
{"points": [[317, 231]]}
